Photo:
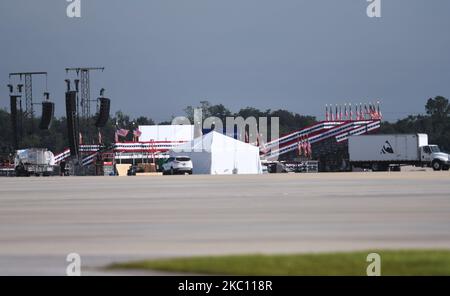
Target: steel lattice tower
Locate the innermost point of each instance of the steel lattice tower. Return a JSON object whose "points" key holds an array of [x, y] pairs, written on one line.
{"points": [[84, 113], [29, 112], [85, 94]]}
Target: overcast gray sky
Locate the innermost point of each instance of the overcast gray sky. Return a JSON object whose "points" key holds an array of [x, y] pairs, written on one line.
{"points": [[162, 55]]}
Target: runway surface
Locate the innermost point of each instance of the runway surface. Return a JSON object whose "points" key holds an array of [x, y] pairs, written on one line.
{"points": [[110, 219]]}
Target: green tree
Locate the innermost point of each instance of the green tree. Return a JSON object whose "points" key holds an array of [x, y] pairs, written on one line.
{"points": [[142, 120], [250, 111], [438, 107], [208, 110], [436, 123]]}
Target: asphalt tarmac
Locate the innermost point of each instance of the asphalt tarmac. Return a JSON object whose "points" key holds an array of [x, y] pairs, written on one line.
{"points": [[111, 219]]}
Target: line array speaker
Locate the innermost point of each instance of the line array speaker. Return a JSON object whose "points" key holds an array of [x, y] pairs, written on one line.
{"points": [[72, 122], [13, 104], [48, 110], [103, 114]]}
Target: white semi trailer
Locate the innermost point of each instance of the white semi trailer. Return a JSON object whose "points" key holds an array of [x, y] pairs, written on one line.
{"points": [[379, 152]]}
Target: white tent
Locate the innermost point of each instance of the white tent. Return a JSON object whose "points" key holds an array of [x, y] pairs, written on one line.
{"points": [[217, 154]]}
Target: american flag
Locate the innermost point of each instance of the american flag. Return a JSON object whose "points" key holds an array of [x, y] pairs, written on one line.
{"points": [[263, 146], [122, 132], [378, 111], [305, 147], [308, 149], [137, 133]]}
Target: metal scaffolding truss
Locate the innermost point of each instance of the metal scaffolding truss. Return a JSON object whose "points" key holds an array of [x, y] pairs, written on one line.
{"points": [[28, 89]]}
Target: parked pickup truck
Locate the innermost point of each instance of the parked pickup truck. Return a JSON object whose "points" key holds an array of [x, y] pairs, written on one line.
{"points": [[379, 152]]}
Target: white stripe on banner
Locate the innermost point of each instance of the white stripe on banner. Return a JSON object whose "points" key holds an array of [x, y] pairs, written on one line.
{"points": [[341, 132]]}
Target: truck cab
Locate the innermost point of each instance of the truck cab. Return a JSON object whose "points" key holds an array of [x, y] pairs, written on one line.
{"points": [[432, 155]]}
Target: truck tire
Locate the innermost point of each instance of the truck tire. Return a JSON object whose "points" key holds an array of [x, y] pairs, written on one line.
{"points": [[396, 168], [377, 167], [445, 168], [21, 172], [436, 165]]}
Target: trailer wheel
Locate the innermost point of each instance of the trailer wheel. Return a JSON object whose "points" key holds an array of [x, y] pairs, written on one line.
{"points": [[396, 168], [384, 168], [21, 171], [374, 167], [436, 164]]}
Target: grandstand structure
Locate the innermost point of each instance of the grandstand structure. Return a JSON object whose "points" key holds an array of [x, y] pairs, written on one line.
{"points": [[327, 138]]}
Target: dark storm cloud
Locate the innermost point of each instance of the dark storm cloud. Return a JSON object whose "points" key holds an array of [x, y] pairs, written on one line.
{"points": [[161, 55]]}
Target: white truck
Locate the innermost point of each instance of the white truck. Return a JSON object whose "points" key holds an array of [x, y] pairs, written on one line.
{"points": [[34, 161], [379, 152]]}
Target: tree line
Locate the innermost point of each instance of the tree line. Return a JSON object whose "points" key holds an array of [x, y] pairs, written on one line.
{"points": [[436, 123]]}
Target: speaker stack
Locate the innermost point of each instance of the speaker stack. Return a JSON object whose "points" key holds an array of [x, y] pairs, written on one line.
{"points": [[48, 110], [103, 114], [72, 122], [14, 120]]}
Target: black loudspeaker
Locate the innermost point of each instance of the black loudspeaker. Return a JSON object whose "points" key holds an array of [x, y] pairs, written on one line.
{"points": [[72, 123], [13, 103], [48, 110], [103, 113]]}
